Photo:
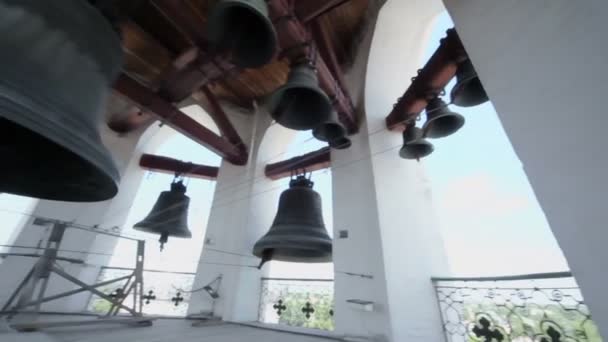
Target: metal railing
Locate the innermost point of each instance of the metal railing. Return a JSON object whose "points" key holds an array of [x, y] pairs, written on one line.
{"points": [[165, 293], [545, 307], [304, 303]]}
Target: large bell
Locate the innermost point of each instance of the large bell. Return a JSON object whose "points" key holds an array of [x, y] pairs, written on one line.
{"points": [[299, 104], [169, 216], [331, 130], [59, 60], [242, 27], [298, 233], [440, 121], [415, 146], [468, 91]]}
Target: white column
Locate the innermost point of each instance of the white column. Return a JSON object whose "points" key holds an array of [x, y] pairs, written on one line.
{"points": [[384, 201], [233, 227], [543, 64]]}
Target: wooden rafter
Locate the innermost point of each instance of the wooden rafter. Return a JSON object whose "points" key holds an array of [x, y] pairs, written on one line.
{"points": [[172, 166], [313, 161]]}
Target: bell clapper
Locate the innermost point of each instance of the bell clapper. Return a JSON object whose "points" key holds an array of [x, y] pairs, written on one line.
{"points": [[266, 256], [164, 237]]}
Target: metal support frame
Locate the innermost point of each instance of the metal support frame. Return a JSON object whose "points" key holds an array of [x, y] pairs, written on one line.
{"points": [[31, 291]]}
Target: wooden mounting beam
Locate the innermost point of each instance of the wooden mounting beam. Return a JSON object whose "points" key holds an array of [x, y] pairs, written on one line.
{"points": [[311, 9], [169, 165], [313, 161], [151, 102], [429, 83], [214, 109]]}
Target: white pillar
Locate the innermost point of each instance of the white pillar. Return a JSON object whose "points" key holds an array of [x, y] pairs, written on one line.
{"points": [[543, 64], [233, 228], [384, 201]]}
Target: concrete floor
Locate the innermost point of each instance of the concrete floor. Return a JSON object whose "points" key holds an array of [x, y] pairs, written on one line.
{"points": [[170, 330]]}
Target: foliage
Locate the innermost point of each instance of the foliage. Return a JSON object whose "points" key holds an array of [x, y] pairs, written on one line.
{"points": [[320, 319]]}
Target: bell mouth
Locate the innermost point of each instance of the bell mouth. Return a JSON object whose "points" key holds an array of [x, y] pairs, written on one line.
{"points": [[307, 107], [48, 168], [469, 93], [300, 255], [443, 126], [416, 150]]}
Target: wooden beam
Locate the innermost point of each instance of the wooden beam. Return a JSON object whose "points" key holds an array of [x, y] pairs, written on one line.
{"points": [[214, 109], [430, 82], [311, 9], [169, 165], [313, 161], [147, 100]]}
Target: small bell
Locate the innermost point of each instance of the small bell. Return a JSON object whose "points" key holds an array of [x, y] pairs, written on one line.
{"points": [[415, 146], [300, 104], [169, 215], [298, 233], [468, 91], [243, 28], [55, 81], [341, 143], [440, 121], [330, 130]]}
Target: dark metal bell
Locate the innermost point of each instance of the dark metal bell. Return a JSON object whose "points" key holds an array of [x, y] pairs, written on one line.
{"points": [[468, 91], [415, 146], [55, 81], [298, 233], [243, 28], [300, 104], [331, 130], [341, 143], [169, 215], [440, 121]]}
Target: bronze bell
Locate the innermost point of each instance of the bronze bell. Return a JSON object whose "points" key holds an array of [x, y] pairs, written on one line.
{"points": [[331, 130], [468, 91], [55, 82], [169, 215], [415, 146], [243, 28], [298, 233], [440, 121], [300, 104], [341, 143]]}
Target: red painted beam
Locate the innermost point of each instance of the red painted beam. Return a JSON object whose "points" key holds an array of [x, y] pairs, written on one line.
{"points": [[294, 39], [313, 161], [311, 9], [147, 100], [431, 80], [221, 119], [169, 165]]}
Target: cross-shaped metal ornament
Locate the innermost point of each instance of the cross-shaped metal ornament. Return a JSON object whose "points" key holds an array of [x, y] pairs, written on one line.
{"points": [[553, 334], [149, 297], [484, 330], [177, 299], [308, 310], [279, 307]]}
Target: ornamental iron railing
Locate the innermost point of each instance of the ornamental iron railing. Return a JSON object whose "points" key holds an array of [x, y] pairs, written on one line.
{"points": [[530, 308], [304, 303], [165, 293]]}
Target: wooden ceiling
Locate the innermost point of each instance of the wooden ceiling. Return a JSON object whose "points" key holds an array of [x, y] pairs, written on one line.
{"points": [[158, 44]]}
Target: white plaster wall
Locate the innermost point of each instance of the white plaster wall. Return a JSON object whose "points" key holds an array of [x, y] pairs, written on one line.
{"points": [[384, 200], [543, 64], [231, 228]]}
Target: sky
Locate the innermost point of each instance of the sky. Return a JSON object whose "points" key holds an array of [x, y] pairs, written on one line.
{"points": [[491, 222]]}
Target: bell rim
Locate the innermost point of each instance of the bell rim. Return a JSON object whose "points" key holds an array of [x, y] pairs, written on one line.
{"points": [[274, 101], [459, 88], [95, 155], [215, 38], [140, 227], [405, 154], [320, 131], [427, 127]]}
